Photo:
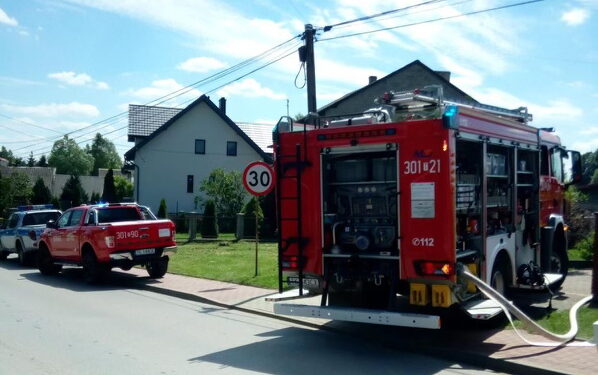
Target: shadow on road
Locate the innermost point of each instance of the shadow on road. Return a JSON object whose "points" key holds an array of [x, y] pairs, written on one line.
{"points": [[294, 351]]}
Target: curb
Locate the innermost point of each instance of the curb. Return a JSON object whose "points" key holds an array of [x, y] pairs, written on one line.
{"points": [[475, 359]]}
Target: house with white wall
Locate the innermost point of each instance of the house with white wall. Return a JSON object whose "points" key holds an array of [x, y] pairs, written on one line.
{"points": [[171, 159]]}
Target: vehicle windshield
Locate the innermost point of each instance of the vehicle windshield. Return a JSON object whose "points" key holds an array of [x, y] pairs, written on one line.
{"points": [[38, 218], [116, 214]]}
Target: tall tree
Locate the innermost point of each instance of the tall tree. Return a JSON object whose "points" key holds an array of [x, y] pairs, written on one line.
{"points": [[104, 154], [7, 154], [73, 192], [42, 162], [109, 193], [19, 162], [68, 158], [124, 188], [227, 191], [15, 190], [31, 160], [41, 193]]}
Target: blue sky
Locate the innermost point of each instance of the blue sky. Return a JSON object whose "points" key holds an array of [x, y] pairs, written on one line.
{"points": [[68, 64]]}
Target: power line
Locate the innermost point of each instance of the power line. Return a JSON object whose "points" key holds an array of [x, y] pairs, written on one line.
{"points": [[172, 95], [28, 123], [385, 13], [433, 20]]}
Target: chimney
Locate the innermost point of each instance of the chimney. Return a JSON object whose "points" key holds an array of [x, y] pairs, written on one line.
{"points": [[444, 74], [222, 105], [372, 79]]}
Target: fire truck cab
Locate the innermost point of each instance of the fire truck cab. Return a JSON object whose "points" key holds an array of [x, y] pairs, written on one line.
{"points": [[378, 212]]}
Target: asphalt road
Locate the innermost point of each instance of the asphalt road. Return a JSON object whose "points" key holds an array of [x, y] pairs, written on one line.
{"points": [[60, 325]]}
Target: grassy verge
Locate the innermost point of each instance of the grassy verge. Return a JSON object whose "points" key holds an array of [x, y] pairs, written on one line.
{"points": [[229, 261], [558, 322]]}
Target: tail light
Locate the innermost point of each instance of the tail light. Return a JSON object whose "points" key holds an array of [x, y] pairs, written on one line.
{"points": [[32, 235], [109, 241], [292, 262], [433, 268]]}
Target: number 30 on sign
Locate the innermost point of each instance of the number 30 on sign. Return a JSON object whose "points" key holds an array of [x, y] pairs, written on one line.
{"points": [[258, 178]]}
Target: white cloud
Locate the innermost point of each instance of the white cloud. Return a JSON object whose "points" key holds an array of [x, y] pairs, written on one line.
{"points": [[162, 87], [249, 88], [587, 145], [78, 79], [54, 110], [575, 17], [592, 130], [18, 81], [5, 19], [201, 64]]}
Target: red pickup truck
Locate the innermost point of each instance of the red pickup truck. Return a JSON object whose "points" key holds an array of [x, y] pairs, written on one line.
{"points": [[100, 237]]}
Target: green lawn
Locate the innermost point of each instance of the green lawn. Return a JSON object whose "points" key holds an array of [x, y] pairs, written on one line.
{"points": [[558, 322], [226, 260]]}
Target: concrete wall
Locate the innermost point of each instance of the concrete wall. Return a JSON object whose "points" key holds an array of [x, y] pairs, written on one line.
{"points": [[55, 182], [165, 161]]}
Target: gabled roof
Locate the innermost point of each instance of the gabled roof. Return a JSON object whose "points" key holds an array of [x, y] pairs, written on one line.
{"points": [[145, 119], [387, 77], [130, 155], [260, 133]]}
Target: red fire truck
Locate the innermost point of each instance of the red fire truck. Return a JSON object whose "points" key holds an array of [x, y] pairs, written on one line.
{"points": [[378, 212]]}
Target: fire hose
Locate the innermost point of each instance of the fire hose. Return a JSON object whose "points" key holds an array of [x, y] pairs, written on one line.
{"points": [[509, 308]]}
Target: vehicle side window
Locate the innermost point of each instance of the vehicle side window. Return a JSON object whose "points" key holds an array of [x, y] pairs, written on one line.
{"points": [[64, 219], [544, 161], [75, 218], [29, 220], [13, 221], [91, 217], [557, 164]]}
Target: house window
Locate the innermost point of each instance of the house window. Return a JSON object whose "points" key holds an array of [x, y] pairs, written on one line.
{"points": [[200, 146], [190, 183], [231, 148]]}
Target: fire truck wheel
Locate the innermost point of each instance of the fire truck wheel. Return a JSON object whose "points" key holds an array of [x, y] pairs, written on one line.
{"points": [[559, 260], [157, 268], [3, 255], [45, 263], [501, 277]]}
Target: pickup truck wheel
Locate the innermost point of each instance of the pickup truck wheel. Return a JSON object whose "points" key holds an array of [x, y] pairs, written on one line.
{"points": [[45, 263], [157, 268], [93, 271], [23, 258]]}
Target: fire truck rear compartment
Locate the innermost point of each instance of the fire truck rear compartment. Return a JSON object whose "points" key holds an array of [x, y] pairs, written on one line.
{"points": [[360, 219]]}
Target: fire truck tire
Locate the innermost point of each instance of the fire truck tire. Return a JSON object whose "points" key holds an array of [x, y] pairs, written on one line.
{"points": [[93, 271], [3, 255], [157, 268], [45, 263], [501, 274], [559, 260]]}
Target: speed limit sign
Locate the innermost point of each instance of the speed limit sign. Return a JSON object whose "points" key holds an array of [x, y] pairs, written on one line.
{"points": [[258, 178]]}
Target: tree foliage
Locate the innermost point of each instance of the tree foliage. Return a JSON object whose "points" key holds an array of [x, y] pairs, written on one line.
{"points": [[227, 191], [41, 193], [73, 193], [42, 162], [109, 192], [16, 190], [104, 154], [31, 160], [7, 154], [590, 166], [253, 210], [124, 188], [68, 158], [209, 222], [162, 211]]}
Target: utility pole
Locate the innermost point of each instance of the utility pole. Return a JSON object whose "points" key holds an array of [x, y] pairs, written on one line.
{"points": [[310, 69]]}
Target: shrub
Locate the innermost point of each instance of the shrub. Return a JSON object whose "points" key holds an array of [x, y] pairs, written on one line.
{"points": [[209, 223], [252, 210], [585, 246], [41, 193], [162, 211]]}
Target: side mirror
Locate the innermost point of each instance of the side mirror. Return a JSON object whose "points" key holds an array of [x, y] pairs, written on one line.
{"points": [[51, 224], [573, 168]]}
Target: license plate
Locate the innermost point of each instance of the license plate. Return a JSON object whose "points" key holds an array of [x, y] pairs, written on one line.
{"points": [[145, 251], [293, 280]]}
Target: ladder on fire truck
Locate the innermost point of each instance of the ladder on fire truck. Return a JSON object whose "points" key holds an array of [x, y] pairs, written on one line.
{"points": [[432, 96], [290, 167]]}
